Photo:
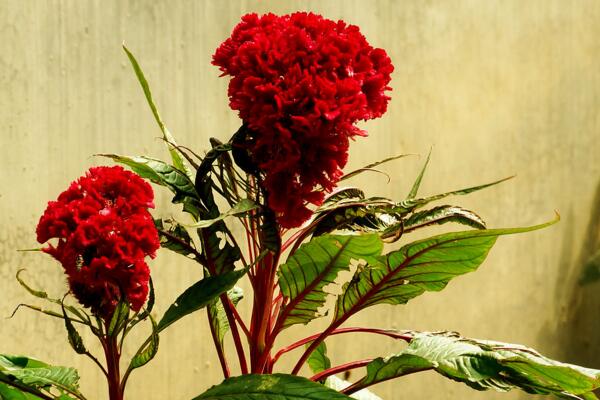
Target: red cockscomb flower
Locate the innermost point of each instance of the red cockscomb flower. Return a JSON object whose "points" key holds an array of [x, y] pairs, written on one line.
{"points": [[104, 233], [300, 82]]}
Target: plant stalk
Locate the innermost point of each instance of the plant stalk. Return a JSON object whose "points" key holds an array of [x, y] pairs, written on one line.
{"points": [[113, 357], [340, 368]]}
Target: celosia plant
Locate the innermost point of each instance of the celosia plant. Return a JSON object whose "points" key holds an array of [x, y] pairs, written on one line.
{"points": [[104, 233], [300, 83]]}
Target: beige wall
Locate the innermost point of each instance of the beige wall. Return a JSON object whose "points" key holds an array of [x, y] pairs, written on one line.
{"points": [[497, 88]]}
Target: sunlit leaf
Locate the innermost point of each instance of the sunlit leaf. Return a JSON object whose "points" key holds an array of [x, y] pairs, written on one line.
{"points": [[270, 387], [198, 296], [483, 365], [176, 155], [118, 318], [435, 216], [74, 337], [424, 265], [166, 175], [242, 207], [315, 265], [218, 317], [148, 350], [36, 375], [415, 188], [318, 360], [371, 166]]}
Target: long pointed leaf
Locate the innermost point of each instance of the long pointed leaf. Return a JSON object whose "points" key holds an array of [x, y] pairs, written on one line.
{"points": [[409, 205], [166, 175], [242, 207], [370, 167], [415, 187], [176, 155], [74, 337], [198, 296], [82, 315], [425, 265], [350, 210], [435, 216]]}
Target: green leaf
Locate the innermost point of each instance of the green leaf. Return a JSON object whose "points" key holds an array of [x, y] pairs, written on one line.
{"points": [[166, 175], [270, 387], [175, 237], [370, 167], [362, 215], [219, 253], [43, 295], [409, 205], [148, 350], [226, 174], [218, 149], [424, 265], [150, 303], [318, 360], [10, 393], [435, 216], [217, 314], [415, 188], [348, 209], [176, 155], [199, 295], [270, 238], [74, 337], [339, 196], [118, 318], [484, 365], [37, 293], [36, 374], [315, 265], [242, 207]]}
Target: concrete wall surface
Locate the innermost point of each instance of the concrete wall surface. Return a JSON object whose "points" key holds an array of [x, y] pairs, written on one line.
{"points": [[496, 87]]}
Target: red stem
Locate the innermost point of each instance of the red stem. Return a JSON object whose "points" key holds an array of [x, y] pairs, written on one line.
{"points": [[340, 368], [332, 330], [238, 318], [219, 348], [309, 339], [235, 333], [360, 385], [262, 314], [111, 351]]}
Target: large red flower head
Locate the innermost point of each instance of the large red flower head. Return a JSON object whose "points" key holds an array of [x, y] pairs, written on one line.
{"points": [[104, 233], [300, 83]]}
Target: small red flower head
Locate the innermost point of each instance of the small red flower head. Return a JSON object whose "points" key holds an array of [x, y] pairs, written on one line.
{"points": [[104, 233], [300, 82]]}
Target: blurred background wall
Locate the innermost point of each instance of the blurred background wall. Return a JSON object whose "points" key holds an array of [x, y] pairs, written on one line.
{"points": [[497, 88]]}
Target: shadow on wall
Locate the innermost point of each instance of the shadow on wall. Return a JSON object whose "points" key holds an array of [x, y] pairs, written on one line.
{"points": [[579, 325]]}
